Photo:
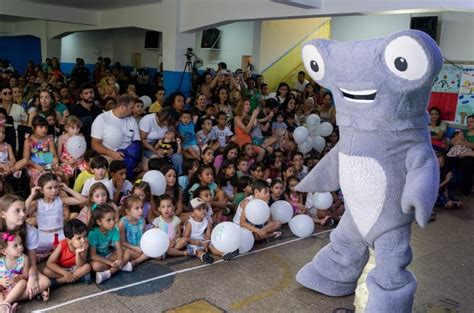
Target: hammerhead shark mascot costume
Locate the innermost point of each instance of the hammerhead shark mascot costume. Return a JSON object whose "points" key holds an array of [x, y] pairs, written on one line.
{"points": [[384, 163]]}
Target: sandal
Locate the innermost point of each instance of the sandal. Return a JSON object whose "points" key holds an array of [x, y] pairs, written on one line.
{"points": [[43, 296], [277, 234]]}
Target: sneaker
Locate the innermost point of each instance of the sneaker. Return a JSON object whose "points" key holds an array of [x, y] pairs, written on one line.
{"points": [[207, 258], [102, 276], [230, 255], [127, 267]]}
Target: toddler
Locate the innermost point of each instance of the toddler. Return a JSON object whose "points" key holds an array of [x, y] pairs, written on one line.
{"points": [[131, 227], [171, 225], [68, 163], [186, 131], [197, 231], [14, 267], [168, 146]]}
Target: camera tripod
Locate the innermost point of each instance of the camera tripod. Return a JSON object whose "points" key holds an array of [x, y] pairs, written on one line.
{"points": [[187, 68]]}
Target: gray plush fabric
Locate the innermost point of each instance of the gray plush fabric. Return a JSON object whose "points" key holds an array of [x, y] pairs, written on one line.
{"points": [[383, 163]]}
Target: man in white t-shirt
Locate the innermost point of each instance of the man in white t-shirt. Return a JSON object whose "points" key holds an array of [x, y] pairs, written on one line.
{"points": [[301, 82], [115, 129]]}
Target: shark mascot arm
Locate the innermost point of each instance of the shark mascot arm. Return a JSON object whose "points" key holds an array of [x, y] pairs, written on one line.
{"points": [[383, 162], [422, 179], [324, 177]]}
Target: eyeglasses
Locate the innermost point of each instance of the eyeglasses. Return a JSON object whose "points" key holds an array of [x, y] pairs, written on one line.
{"points": [[6, 93]]}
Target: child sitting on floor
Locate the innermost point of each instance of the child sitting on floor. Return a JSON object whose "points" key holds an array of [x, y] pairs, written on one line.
{"points": [[269, 229], [67, 264]]}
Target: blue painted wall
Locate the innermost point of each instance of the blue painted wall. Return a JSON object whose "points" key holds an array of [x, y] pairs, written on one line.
{"points": [[19, 50]]}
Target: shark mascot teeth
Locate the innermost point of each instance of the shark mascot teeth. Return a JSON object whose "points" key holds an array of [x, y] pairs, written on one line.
{"points": [[384, 163]]}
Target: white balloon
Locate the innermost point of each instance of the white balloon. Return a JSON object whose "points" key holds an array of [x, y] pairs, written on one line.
{"points": [[226, 237], [306, 146], [300, 134], [257, 211], [301, 225], [247, 241], [319, 143], [146, 101], [281, 211], [112, 137], [325, 129], [76, 146], [157, 182], [154, 242], [313, 120], [322, 200]]}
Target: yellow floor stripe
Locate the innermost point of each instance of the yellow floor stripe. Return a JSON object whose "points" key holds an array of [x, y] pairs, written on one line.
{"points": [[285, 281], [200, 306]]}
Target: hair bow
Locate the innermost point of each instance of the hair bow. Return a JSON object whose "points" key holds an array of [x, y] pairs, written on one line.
{"points": [[8, 237]]}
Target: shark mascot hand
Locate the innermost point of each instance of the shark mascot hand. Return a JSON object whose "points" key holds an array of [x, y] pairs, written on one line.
{"points": [[384, 163]]}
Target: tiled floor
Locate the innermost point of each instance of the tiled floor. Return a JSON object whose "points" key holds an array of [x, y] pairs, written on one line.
{"points": [[264, 281]]}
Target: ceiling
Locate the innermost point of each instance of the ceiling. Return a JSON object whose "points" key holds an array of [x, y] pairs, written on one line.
{"points": [[95, 4], [13, 19]]}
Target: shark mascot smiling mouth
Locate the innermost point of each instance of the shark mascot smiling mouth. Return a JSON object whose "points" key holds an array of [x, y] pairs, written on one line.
{"points": [[384, 163]]}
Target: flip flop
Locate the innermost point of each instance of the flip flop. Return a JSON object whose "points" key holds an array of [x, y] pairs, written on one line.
{"points": [[43, 296]]}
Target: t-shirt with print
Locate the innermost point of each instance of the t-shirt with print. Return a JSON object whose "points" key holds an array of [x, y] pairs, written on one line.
{"points": [[222, 134], [103, 243]]}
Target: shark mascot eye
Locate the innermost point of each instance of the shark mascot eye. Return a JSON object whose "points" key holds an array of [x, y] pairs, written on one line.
{"points": [[313, 62], [406, 58]]}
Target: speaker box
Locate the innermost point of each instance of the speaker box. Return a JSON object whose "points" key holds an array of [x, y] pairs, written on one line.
{"points": [[427, 24], [211, 39], [152, 40]]}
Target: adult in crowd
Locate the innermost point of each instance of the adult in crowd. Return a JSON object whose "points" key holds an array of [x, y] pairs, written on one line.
{"points": [[46, 107], [14, 110], [175, 102], [301, 82], [80, 73], [122, 120], [86, 111], [153, 127], [327, 111], [437, 130]]}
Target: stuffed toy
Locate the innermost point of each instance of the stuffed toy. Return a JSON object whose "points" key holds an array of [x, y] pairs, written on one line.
{"points": [[384, 163]]}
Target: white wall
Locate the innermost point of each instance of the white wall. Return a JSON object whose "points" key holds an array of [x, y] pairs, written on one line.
{"points": [[348, 28], [118, 44], [236, 41], [456, 36]]}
